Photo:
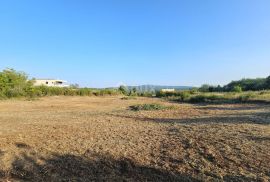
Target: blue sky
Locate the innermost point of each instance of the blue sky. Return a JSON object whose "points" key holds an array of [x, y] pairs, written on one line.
{"points": [[101, 43]]}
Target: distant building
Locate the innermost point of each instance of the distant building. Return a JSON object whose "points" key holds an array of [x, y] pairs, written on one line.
{"points": [[167, 90], [50, 83]]}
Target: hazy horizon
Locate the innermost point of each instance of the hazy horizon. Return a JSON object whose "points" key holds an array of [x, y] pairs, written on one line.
{"points": [[109, 43]]}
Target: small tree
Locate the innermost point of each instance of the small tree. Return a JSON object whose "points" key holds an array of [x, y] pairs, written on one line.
{"points": [[14, 83], [237, 89], [133, 92], [204, 88], [123, 89], [219, 88]]}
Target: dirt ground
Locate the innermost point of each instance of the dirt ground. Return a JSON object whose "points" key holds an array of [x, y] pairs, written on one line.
{"points": [[100, 139]]}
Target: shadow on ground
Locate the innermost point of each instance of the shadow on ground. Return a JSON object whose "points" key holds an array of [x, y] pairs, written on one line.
{"points": [[236, 108], [209, 100], [253, 118], [28, 166]]}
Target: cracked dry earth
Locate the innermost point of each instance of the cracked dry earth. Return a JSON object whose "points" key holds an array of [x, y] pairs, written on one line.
{"points": [[100, 139]]}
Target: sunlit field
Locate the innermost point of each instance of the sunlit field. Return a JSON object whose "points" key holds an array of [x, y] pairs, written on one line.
{"points": [[103, 138]]}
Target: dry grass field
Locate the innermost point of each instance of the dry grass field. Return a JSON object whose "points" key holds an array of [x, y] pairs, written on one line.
{"points": [[100, 139]]}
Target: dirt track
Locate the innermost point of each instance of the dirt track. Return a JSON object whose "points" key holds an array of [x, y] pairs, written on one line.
{"points": [[99, 139]]}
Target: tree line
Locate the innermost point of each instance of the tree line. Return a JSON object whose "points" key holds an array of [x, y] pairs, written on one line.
{"points": [[16, 84], [240, 85]]}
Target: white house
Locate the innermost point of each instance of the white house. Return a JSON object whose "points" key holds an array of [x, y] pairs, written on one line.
{"points": [[50, 83], [167, 90]]}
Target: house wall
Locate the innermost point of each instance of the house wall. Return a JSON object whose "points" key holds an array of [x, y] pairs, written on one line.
{"points": [[49, 83], [167, 90]]}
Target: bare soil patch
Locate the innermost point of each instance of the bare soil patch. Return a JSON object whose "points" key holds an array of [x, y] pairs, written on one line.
{"points": [[101, 139]]}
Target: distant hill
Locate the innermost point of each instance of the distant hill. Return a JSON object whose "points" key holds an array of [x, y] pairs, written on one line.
{"points": [[149, 88]]}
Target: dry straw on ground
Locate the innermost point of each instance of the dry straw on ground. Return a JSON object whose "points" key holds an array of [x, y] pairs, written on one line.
{"points": [[100, 139]]}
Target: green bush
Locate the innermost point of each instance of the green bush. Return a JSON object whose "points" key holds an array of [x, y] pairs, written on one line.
{"points": [[123, 89], [34, 92], [248, 84], [85, 92], [185, 95], [207, 98], [16, 84], [194, 91], [198, 99], [133, 92], [68, 92], [246, 97], [13, 83], [2, 96], [204, 88], [237, 89], [14, 92], [147, 94], [160, 94], [173, 94], [148, 107]]}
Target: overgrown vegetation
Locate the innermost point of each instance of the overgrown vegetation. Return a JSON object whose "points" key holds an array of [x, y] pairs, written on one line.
{"points": [[16, 84], [148, 107], [257, 84], [182, 95], [51, 91], [245, 90], [123, 89], [218, 97]]}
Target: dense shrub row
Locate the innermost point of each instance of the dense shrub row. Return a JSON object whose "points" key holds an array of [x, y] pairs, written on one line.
{"points": [[51, 91], [16, 84], [239, 86], [181, 95], [218, 97]]}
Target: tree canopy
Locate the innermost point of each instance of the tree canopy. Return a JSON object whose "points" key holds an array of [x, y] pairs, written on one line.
{"points": [[244, 84], [14, 83]]}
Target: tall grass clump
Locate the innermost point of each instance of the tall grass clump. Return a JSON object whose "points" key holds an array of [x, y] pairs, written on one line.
{"points": [[207, 98], [246, 97], [147, 94]]}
